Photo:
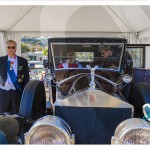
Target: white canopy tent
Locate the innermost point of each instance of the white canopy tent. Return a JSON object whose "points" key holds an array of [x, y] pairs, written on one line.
{"points": [[131, 22]]}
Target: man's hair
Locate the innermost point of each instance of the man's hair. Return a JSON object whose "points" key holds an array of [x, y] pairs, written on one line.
{"points": [[71, 52], [104, 48], [11, 41]]}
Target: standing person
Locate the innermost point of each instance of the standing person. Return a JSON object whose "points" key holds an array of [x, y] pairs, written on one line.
{"points": [[14, 75]]}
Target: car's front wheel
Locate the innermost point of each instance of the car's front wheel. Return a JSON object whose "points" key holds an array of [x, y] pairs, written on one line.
{"points": [[33, 101]]}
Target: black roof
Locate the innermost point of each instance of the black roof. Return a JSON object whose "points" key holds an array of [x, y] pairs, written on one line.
{"points": [[86, 40]]}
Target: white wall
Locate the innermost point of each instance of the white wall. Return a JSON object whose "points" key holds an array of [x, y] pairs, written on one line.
{"points": [[2, 45], [147, 57], [144, 38]]}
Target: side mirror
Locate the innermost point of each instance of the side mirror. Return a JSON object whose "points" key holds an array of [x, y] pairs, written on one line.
{"points": [[48, 77]]}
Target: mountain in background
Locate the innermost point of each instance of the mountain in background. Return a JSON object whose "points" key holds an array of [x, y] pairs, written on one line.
{"points": [[35, 41]]}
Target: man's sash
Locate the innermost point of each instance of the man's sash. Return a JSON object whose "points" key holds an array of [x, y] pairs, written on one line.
{"points": [[13, 77]]}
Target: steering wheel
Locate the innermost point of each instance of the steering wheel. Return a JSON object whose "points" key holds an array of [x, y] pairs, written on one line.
{"points": [[103, 63], [67, 74], [72, 89]]}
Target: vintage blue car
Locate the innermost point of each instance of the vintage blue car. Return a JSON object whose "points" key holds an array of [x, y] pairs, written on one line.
{"points": [[90, 95]]}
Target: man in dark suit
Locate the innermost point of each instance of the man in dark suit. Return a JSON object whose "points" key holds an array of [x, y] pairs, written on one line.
{"points": [[14, 75], [108, 58]]}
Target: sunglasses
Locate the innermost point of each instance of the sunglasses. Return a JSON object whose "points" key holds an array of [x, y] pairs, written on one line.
{"points": [[9, 47]]}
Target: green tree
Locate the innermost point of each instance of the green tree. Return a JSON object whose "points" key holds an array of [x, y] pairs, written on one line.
{"points": [[24, 48], [40, 48], [45, 51]]}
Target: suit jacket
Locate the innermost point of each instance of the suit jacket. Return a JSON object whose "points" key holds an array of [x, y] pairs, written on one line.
{"points": [[22, 73]]}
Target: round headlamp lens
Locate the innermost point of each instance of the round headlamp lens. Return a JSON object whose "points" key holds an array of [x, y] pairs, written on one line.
{"points": [[138, 136], [47, 135], [127, 78]]}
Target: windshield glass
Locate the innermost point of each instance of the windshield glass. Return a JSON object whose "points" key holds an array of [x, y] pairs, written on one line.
{"points": [[106, 56]]}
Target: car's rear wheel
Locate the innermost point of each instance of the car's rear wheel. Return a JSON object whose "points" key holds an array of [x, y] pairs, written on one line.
{"points": [[33, 101], [139, 95]]}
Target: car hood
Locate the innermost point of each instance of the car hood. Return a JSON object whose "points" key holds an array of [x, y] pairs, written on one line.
{"points": [[92, 98]]}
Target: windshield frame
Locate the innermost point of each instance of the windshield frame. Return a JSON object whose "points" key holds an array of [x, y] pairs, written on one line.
{"points": [[85, 42]]}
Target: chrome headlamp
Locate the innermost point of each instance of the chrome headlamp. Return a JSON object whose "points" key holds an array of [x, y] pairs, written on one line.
{"points": [[127, 78], [132, 131], [49, 130]]}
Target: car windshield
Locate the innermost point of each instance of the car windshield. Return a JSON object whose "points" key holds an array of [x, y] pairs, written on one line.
{"points": [[106, 56]]}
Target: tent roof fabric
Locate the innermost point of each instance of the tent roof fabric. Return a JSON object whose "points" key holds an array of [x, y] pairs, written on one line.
{"points": [[75, 18]]}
